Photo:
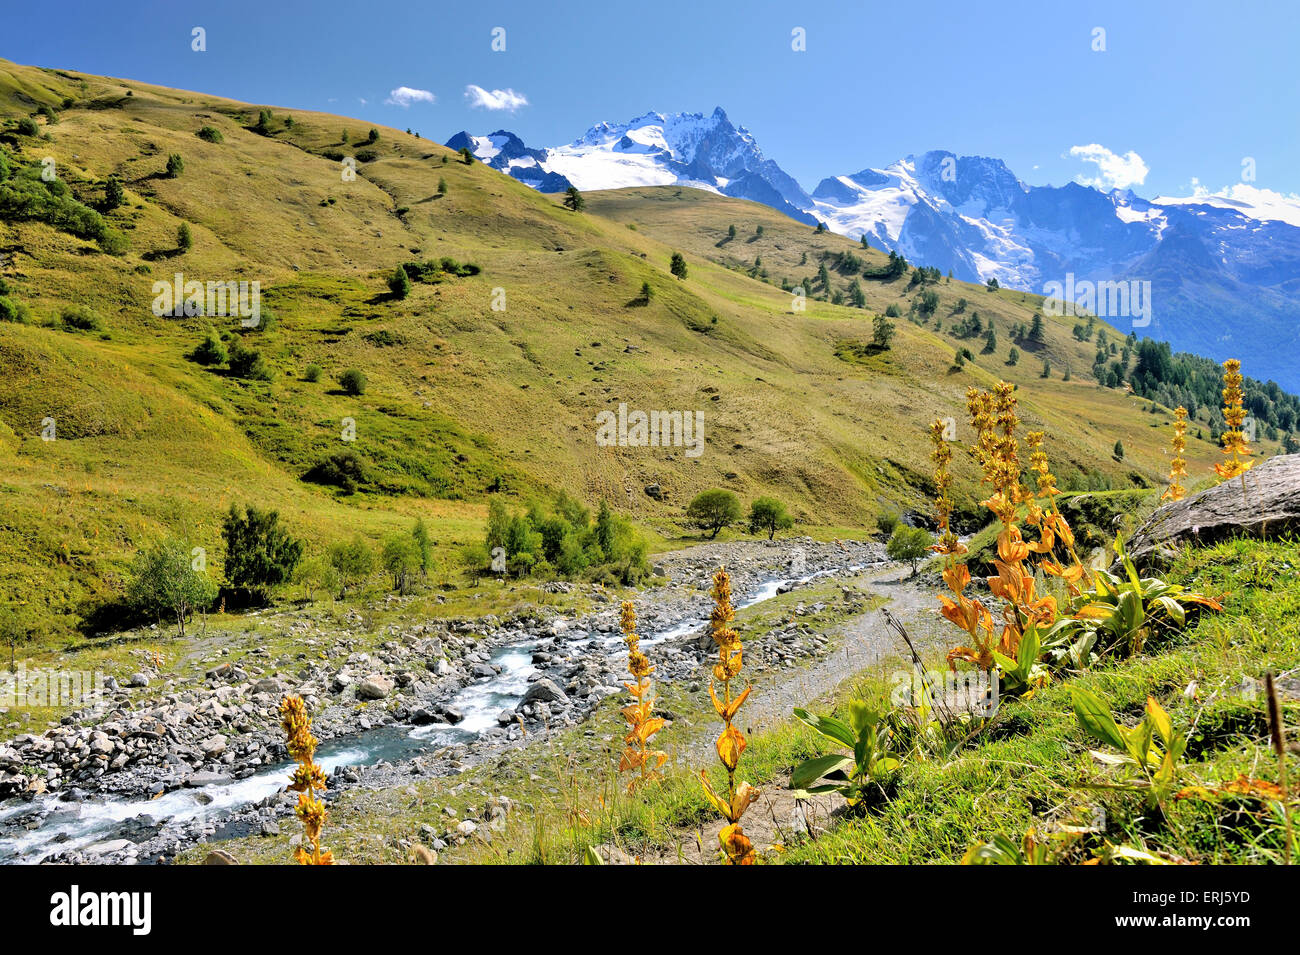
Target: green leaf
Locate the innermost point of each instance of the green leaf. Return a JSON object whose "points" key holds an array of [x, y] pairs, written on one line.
{"points": [[1094, 716], [814, 769], [829, 727]]}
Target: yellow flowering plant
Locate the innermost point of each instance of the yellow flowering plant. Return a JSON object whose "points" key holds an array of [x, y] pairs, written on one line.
{"points": [[1178, 465], [736, 847], [1235, 443], [306, 780], [642, 725]]}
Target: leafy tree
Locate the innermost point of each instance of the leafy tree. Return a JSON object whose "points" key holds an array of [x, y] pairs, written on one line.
{"points": [[175, 165], [373, 137], [768, 514], [1119, 451], [423, 546], [908, 544], [1013, 356], [399, 283], [466, 156], [678, 265], [317, 573], [16, 629], [260, 553], [573, 199], [713, 510], [647, 292], [353, 382], [184, 240], [882, 333], [731, 231], [442, 187], [401, 558], [352, 560], [163, 578], [114, 195]]}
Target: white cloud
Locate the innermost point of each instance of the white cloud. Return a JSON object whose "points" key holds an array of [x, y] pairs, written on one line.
{"points": [[479, 98], [404, 96], [1113, 171]]}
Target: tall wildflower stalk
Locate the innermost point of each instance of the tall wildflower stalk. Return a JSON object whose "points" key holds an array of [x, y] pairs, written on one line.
{"points": [[636, 753], [995, 420], [1277, 739], [306, 779], [1177, 466], [1234, 416], [736, 846]]}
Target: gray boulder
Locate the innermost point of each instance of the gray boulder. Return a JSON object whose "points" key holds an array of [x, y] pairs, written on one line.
{"points": [[1268, 507], [374, 687], [545, 691]]}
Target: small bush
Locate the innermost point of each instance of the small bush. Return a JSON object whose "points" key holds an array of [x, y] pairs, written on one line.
{"points": [[353, 382], [313, 373], [210, 351], [210, 134], [27, 127], [81, 318], [248, 363]]}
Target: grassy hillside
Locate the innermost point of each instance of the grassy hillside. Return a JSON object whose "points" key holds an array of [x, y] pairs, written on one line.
{"points": [[461, 397]]}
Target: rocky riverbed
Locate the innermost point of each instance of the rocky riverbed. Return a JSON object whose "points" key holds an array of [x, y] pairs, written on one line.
{"points": [[160, 767]]}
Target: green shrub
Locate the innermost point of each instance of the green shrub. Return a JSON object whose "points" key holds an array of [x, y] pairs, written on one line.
{"points": [[81, 318], [260, 554], [11, 311], [210, 351], [353, 382], [399, 283], [175, 165], [248, 363], [343, 469], [561, 538], [27, 127], [210, 134], [313, 373]]}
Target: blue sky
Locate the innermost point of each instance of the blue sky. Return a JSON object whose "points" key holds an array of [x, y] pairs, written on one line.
{"points": [[1191, 88]]}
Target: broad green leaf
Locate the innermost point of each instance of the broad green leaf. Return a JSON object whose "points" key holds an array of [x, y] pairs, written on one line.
{"points": [[829, 727], [816, 768], [1094, 716]]}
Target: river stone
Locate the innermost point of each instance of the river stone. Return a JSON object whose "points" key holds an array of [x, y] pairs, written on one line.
{"points": [[269, 686], [213, 746], [1269, 507], [139, 680], [108, 845], [374, 687], [544, 690], [196, 780]]}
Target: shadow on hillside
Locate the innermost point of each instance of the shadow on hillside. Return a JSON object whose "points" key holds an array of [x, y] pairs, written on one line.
{"points": [[162, 255]]}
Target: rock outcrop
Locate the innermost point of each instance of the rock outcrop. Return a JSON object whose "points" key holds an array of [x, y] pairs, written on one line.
{"points": [[1269, 506]]}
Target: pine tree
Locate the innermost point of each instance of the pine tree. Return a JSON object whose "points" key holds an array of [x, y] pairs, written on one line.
{"points": [[573, 199], [678, 265]]}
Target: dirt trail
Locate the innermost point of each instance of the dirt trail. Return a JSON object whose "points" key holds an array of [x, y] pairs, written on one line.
{"points": [[862, 642]]}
